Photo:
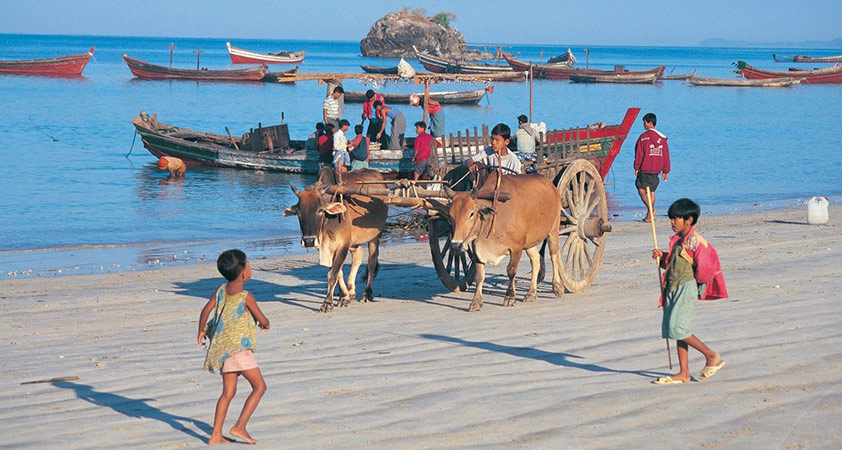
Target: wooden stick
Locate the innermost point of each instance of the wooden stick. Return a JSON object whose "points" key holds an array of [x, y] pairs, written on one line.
{"points": [[232, 139], [53, 380], [657, 260]]}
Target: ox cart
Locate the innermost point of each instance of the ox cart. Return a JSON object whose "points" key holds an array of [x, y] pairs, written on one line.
{"points": [[576, 160]]}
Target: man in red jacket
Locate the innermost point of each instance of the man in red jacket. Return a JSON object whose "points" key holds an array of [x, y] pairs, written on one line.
{"points": [[651, 158]]}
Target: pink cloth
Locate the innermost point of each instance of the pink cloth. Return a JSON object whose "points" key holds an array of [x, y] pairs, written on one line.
{"points": [[241, 361], [706, 265], [422, 147], [368, 105], [651, 153]]}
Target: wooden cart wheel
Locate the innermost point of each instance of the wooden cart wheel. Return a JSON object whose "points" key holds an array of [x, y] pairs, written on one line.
{"points": [[456, 270], [584, 210]]}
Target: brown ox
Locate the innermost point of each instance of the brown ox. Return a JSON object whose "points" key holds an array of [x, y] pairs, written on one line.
{"points": [[528, 218], [336, 227]]}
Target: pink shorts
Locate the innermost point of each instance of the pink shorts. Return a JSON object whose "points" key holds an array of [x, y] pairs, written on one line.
{"points": [[240, 362]]}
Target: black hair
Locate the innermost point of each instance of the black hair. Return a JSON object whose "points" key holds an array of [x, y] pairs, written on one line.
{"points": [[421, 124], [358, 129], [344, 122], [685, 208], [231, 263], [502, 130], [650, 117], [330, 127], [522, 118], [369, 93], [378, 103], [338, 89], [320, 126]]}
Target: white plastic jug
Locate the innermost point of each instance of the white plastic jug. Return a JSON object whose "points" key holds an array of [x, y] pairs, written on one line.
{"points": [[817, 211]]}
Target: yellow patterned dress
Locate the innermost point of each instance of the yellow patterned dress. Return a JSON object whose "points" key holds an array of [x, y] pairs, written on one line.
{"points": [[235, 332]]}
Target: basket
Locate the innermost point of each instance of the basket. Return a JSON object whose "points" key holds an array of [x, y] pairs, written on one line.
{"points": [[374, 146]]}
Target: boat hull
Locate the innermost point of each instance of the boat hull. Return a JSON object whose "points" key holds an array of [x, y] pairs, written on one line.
{"points": [[241, 56], [830, 75], [562, 72], [148, 71], [380, 70], [733, 82], [445, 98], [63, 66], [441, 65], [621, 78], [806, 59]]}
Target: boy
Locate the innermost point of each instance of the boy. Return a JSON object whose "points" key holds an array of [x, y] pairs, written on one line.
{"points": [[423, 149], [359, 149], [330, 109], [692, 272], [525, 135], [370, 113], [651, 157], [341, 158]]}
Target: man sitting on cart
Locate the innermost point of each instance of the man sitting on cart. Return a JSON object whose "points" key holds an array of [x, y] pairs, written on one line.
{"points": [[496, 155]]}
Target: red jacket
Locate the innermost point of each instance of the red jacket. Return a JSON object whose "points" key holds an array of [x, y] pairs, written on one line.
{"points": [[368, 106], [706, 266], [651, 153]]}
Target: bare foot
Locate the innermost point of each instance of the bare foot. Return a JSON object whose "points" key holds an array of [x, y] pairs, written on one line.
{"points": [[242, 434], [219, 440], [713, 360]]}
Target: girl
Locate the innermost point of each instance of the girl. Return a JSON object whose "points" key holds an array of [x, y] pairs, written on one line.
{"points": [[231, 348]]}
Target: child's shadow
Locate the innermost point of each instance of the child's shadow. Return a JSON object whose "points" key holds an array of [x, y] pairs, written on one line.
{"points": [[136, 408]]}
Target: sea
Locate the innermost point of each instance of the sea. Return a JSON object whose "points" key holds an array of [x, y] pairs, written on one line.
{"points": [[81, 195]]}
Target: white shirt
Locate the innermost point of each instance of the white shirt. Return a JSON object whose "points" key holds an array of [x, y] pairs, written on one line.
{"points": [[340, 142], [489, 158]]}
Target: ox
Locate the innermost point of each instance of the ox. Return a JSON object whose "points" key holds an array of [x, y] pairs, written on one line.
{"points": [[527, 219], [337, 227]]}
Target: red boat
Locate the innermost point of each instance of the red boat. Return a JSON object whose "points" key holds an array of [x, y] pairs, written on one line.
{"points": [[148, 71], [814, 76], [63, 66], [563, 72], [242, 56]]}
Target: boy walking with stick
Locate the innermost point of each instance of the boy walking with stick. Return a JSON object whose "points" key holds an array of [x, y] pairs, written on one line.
{"points": [[692, 272]]}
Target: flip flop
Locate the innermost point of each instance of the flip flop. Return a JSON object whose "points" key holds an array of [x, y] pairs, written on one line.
{"points": [[668, 380], [710, 371]]}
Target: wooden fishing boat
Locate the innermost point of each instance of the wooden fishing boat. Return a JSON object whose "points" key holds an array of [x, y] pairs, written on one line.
{"points": [[63, 66], [263, 148], [149, 71], [814, 76], [806, 59], [279, 77], [241, 56], [566, 58], [377, 69], [682, 76], [441, 65], [563, 72], [737, 82], [621, 77], [445, 98]]}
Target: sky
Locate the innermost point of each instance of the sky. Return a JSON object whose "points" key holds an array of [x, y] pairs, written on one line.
{"points": [[554, 22]]}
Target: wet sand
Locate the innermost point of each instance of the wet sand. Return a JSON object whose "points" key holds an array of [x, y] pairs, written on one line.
{"points": [[415, 370]]}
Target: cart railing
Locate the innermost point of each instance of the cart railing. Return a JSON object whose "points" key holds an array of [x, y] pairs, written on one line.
{"points": [[556, 148]]}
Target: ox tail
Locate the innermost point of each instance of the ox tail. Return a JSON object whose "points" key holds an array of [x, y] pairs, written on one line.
{"points": [[542, 272]]}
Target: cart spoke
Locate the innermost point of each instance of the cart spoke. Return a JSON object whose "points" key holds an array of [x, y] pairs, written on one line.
{"points": [[582, 251], [591, 207], [449, 265], [568, 229], [569, 217], [588, 254]]}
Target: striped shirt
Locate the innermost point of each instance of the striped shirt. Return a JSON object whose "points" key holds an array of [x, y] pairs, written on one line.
{"points": [[331, 106]]}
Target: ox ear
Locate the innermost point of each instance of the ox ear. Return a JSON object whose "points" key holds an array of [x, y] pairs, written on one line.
{"points": [[487, 212], [291, 211], [334, 208], [474, 193]]}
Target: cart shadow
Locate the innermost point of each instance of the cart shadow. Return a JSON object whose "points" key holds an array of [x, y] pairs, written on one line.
{"points": [[137, 408], [558, 359], [785, 222]]}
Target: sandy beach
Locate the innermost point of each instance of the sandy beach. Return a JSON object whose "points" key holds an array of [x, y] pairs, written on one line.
{"points": [[415, 370]]}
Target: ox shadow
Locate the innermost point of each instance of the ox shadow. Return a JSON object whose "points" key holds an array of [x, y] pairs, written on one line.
{"points": [[558, 359], [137, 408], [263, 291], [785, 222]]}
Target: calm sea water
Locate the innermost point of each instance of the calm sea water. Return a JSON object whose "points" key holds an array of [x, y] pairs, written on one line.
{"points": [[73, 201]]}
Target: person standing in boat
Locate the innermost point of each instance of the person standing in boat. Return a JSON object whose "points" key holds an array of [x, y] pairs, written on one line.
{"points": [[436, 114], [651, 158], [331, 110], [358, 148], [398, 124], [374, 124]]}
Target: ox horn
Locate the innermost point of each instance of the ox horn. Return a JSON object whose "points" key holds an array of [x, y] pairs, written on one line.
{"points": [[448, 191], [294, 190]]}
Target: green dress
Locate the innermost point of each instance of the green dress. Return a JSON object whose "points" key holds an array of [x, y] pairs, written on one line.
{"points": [[680, 295], [235, 332]]}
